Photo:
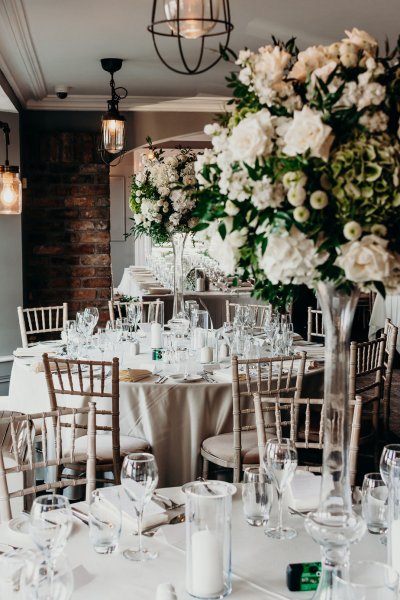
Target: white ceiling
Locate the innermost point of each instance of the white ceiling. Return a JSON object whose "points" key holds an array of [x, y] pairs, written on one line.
{"points": [[44, 43]]}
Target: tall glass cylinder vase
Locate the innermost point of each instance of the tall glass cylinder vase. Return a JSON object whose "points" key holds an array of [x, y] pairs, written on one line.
{"points": [[334, 525], [178, 240]]}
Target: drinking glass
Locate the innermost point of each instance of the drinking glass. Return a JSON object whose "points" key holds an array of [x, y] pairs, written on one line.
{"points": [[104, 522], [92, 313], [139, 478], [43, 580], [257, 493], [280, 461], [134, 314], [374, 503], [390, 460], [114, 334], [50, 523], [367, 580]]}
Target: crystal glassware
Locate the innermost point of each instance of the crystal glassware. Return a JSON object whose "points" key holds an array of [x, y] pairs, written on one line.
{"points": [[367, 580], [104, 522], [280, 461], [374, 503], [43, 580], [257, 494], [139, 478], [390, 459], [50, 523]]}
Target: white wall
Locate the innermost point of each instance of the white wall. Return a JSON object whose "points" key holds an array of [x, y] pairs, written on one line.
{"points": [[10, 261]]}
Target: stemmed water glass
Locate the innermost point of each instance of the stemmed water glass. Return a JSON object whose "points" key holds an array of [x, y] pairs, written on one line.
{"points": [[114, 334], [390, 460], [134, 314], [139, 478], [280, 460], [91, 313], [50, 523]]}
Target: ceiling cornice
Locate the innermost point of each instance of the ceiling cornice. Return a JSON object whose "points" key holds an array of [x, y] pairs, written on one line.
{"points": [[205, 104], [14, 21]]}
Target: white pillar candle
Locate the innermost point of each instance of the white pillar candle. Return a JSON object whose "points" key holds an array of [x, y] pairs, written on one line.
{"points": [[206, 354], [155, 335], [223, 351], [199, 337], [394, 546], [206, 565]]}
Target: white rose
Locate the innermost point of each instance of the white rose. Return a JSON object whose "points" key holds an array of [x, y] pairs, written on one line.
{"points": [[308, 132], [291, 257], [301, 214], [252, 137], [352, 230], [231, 209], [365, 260], [296, 195], [319, 200], [361, 39]]}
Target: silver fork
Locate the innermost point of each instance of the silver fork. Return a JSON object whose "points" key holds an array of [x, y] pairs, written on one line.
{"points": [[168, 502]]}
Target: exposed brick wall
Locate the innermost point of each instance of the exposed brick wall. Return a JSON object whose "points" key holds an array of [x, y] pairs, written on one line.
{"points": [[66, 221]]}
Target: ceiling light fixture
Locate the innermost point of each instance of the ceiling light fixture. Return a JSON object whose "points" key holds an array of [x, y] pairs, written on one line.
{"points": [[191, 20], [113, 135], [10, 183]]}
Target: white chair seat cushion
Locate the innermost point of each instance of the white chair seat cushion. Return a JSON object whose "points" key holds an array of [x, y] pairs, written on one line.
{"points": [[128, 444], [221, 446]]}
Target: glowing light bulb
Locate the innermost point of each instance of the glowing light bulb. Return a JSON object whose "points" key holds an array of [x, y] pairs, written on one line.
{"points": [[191, 16], [10, 193], [113, 135]]}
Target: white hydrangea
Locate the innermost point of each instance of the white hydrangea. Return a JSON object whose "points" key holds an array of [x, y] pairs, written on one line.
{"points": [[266, 194], [291, 257]]}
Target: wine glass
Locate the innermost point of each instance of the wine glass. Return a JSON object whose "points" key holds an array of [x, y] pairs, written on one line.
{"points": [[91, 313], [134, 314], [43, 580], [280, 460], [139, 478], [50, 523], [390, 460]]}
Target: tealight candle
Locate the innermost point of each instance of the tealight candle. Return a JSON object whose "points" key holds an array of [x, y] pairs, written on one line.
{"points": [[206, 354], [207, 565], [155, 335]]}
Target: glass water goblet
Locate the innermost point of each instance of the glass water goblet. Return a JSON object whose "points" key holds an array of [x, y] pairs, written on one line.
{"points": [[390, 460], [280, 461], [92, 313], [139, 478], [134, 315], [50, 523]]}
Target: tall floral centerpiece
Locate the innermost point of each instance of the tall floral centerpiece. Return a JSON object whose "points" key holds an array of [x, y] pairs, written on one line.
{"points": [[162, 203], [302, 186]]}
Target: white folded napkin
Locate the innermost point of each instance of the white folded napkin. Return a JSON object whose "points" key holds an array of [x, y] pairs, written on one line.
{"points": [[153, 513], [37, 350], [304, 490]]}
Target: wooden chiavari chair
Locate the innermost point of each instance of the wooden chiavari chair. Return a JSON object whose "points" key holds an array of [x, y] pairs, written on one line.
{"points": [[391, 332], [259, 312], [315, 325], [44, 319]]}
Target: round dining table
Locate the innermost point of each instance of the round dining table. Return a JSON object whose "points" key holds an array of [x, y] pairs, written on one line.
{"points": [[173, 417]]}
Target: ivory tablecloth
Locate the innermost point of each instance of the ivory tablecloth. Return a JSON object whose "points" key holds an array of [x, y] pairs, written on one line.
{"points": [[385, 308]]}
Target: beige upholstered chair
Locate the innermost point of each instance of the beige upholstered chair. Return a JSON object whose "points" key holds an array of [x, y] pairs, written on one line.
{"points": [[58, 430], [259, 310], [45, 319], [276, 376], [74, 381], [315, 325], [391, 332], [366, 379], [302, 420]]}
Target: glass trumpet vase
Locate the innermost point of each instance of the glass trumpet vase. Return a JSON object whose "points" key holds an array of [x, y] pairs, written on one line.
{"points": [[334, 525], [178, 240]]}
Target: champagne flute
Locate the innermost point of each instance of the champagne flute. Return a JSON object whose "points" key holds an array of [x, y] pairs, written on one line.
{"points": [[280, 460], [139, 478]]}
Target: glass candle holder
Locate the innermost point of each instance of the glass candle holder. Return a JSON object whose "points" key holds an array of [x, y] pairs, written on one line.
{"points": [[208, 538]]}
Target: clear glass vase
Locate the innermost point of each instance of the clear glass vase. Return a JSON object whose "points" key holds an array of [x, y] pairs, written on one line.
{"points": [[334, 525], [178, 240]]}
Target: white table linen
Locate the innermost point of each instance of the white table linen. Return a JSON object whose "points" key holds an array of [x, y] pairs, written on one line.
{"points": [[384, 308], [258, 562]]}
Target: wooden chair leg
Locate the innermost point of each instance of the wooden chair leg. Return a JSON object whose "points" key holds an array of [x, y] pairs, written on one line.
{"points": [[205, 468]]}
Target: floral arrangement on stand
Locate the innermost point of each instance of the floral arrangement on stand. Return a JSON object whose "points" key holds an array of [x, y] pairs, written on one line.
{"points": [[303, 181], [161, 198], [162, 201], [302, 186]]}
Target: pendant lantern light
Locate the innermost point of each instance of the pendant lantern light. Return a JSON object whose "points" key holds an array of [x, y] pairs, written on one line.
{"points": [[199, 20], [113, 135], [10, 183]]}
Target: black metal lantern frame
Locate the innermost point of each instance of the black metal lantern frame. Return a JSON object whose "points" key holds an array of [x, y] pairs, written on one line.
{"points": [[112, 65], [223, 27]]}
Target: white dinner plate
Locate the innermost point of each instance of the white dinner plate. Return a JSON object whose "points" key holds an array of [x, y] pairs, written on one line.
{"points": [[180, 378], [20, 524]]}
